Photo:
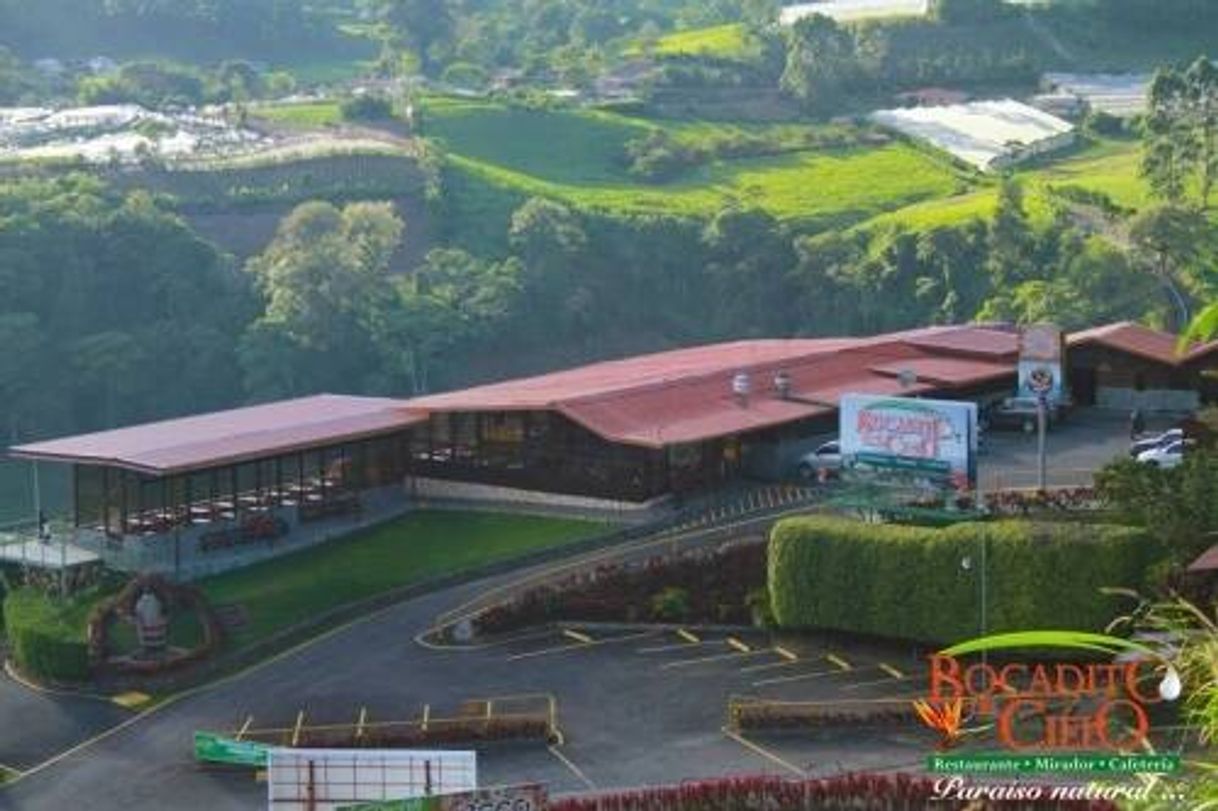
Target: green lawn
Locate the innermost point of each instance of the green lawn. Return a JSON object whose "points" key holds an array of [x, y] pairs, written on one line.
{"points": [[288, 590], [309, 115]]}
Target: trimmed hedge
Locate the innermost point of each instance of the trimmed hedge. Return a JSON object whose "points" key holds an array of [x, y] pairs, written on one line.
{"points": [[43, 639], [908, 583]]}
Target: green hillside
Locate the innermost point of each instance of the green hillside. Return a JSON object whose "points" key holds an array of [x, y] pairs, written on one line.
{"points": [[579, 157]]}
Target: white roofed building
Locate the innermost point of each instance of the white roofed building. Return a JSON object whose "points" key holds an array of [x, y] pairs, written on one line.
{"points": [[989, 135]]}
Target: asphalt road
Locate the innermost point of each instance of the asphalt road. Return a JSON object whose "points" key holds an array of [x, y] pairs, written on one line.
{"points": [[635, 709], [35, 726]]}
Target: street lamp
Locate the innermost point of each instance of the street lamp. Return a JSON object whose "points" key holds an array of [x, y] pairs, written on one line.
{"points": [[966, 564]]}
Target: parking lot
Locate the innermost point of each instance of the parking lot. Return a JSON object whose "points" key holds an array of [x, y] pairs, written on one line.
{"points": [[635, 706], [1076, 448]]}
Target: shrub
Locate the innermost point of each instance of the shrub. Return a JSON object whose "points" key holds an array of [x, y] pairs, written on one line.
{"points": [[671, 604], [908, 582], [366, 107], [1178, 506], [43, 639], [716, 583]]}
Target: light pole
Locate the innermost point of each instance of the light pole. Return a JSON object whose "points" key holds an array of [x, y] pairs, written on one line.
{"points": [[966, 563], [1042, 476]]}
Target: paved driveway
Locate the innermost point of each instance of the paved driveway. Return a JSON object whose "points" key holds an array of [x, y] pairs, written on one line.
{"points": [[35, 726], [635, 709]]}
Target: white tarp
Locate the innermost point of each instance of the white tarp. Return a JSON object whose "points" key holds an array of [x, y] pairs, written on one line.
{"points": [[981, 133], [844, 10], [330, 779]]}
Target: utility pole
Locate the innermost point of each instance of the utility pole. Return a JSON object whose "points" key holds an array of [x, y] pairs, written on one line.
{"points": [[1041, 461]]}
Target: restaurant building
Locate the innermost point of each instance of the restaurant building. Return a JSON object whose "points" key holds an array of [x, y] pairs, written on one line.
{"points": [[201, 494]]}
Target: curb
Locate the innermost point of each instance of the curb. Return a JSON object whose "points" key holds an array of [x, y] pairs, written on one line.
{"points": [[28, 683]]}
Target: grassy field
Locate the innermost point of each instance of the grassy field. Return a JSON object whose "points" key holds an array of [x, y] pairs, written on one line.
{"points": [[310, 115], [722, 41], [281, 592], [1109, 167], [578, 157]]}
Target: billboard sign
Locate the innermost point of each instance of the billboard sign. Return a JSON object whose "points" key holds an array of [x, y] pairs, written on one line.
{"points": [[530, 797], [1041, 352], [338, 779], [935, 438]]}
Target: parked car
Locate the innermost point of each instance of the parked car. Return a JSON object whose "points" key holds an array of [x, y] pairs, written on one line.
{"points": [[1149, 443], [1019, 413], [1164, 456], [827, 457]]}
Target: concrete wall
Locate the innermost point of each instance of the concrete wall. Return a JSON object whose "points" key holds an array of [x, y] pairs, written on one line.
{"points": [[467, 494]]}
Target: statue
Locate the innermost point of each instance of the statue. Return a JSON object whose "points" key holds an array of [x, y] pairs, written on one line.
{"points": [[150, 622]]}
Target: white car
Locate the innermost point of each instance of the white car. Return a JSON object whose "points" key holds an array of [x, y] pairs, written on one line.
{"points": [[1151, 442], [1164, 456], [827, 457]]}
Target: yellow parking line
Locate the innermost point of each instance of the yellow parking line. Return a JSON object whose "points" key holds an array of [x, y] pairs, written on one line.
{"points": [[578, 636], [785, 653], [842, 664], [296, 732], [578, 646], [770, 666], [575, 770], [733, 642], [688, 636], [891, 671], [718, 657]]}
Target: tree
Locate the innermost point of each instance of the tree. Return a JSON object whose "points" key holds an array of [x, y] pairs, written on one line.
{"points": [[452, 299], [1169, 238], [821, 62], [1180, 142], [551, 241], [321, 277], [1011, 238], [750, 256], [423, 27], [760, 15], [957, 12], [1201, 81]]}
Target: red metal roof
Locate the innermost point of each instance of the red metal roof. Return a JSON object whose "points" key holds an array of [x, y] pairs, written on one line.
{"points": [[1208, 562], [947, 371], [226, 437], [686, 395], [1144, 342], [683, 395]]}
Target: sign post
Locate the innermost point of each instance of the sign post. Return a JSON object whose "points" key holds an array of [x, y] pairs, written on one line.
{"points": [[211, 748]]}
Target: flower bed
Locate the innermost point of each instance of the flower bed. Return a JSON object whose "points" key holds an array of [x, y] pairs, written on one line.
{"points": [[849, 792], [702, 585], [1020, 503]]}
